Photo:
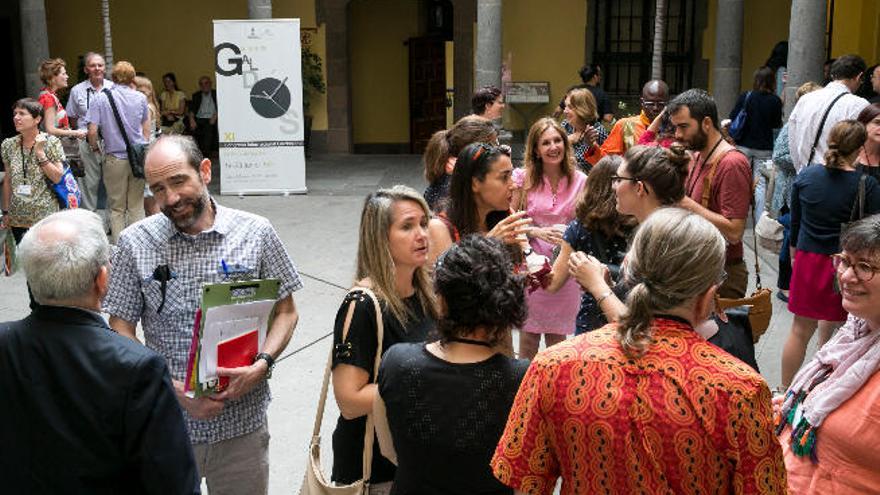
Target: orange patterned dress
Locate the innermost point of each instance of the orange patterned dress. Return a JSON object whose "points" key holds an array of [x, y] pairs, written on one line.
{"points": [[686, 417]]}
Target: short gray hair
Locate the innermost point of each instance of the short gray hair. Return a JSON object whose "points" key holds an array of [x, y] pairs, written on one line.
{"points": [[62, 254]]}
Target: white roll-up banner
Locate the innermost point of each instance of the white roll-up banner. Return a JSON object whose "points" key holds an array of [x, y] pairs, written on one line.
{"points": [[260, 115]]}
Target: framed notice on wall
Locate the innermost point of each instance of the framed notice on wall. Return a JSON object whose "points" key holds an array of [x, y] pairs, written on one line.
{"points": [[260, 115]]}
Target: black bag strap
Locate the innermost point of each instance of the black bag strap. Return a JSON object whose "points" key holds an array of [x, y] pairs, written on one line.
{"points": [[859, 201], [118, 118], [822, 126]]}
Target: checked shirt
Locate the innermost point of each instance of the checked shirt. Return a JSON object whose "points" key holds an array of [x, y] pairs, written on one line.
{"points": [[249, 246]]}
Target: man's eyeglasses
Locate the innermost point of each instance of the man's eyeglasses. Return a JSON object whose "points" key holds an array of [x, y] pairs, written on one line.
{"points": [[616, 179], [863, 271], [654, 104]]}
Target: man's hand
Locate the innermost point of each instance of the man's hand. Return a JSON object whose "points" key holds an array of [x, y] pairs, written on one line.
{"points": [[199, 408], [242, 380], [192, 124]]}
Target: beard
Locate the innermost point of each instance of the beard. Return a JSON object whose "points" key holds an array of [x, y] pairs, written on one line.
{"points": [[698, 142], [182, 220]]}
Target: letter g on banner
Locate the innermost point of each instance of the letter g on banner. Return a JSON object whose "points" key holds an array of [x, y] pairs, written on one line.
{"points": [[236, 63]]}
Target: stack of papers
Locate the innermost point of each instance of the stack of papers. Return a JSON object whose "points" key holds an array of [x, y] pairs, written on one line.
{"points": [[229, 332]]}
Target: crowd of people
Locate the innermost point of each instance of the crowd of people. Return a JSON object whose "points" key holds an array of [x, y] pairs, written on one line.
{"points": [[625, 233]]}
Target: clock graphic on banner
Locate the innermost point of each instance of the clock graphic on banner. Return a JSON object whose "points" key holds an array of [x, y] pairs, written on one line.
{"points": [[270, 97]]}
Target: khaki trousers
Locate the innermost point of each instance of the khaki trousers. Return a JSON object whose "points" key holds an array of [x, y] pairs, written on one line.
{"points": [[125, 195], [93, 162], [238, 466]]}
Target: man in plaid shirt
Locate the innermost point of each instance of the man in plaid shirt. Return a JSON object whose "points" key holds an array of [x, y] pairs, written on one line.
{"points": [[159, 268]]}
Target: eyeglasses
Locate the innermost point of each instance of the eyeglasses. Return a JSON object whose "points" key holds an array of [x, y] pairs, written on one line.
{"points": [[616, 179], [654, 104], [863, 271]]}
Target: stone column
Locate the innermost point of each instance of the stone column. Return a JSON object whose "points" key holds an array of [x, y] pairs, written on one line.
{"points": [[727, 66], [488, 71], [34, 42], [334, 15], [806, 47], [259, 9], [464, 15]]}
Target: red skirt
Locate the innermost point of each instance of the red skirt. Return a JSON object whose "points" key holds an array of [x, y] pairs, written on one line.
{"points": [[812, 293]]}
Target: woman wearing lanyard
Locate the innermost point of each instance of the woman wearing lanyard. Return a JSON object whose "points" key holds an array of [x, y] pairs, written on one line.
{"points": [[30, 158]]}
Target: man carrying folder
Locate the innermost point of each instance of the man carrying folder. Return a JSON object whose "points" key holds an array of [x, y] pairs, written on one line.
{"points": [[159, 268]]}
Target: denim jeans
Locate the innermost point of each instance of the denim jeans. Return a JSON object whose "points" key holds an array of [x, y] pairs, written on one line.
{"points": [[756, 161]]}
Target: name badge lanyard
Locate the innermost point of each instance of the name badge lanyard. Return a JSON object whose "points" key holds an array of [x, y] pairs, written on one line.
{"points": [[23, 161]]}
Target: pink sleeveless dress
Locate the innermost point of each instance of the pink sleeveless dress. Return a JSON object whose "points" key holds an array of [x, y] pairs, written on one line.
{"points": [[552, 313]]}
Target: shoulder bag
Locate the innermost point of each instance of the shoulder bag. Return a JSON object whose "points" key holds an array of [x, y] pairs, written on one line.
{"points": [[858, 208], [759, 304], [136, 152], [822, 127], [314, 482], [738, 126]]}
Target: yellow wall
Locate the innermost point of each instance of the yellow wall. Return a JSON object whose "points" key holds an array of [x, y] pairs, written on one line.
{"points": [[162, 36], [856, 24], [546, 43], [380, 69]]}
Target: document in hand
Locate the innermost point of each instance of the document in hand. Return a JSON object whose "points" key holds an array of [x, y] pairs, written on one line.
{"points": [[230, 329]]}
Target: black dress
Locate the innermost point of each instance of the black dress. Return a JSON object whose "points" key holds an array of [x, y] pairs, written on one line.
{"points": [[446, 419], [610, 251], [359, 349]]}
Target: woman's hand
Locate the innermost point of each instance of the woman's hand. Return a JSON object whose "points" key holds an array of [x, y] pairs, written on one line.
{"points": [[40, 143], [589, 272], [510, 228], [655, 124], [547, 234], [80, 133], [591, 135]]}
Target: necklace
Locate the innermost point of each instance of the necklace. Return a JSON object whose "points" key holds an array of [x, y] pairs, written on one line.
{"points": [[462, 340]]}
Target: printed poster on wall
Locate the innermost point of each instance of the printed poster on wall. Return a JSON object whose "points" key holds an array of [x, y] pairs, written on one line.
{"points": [[260, 115]]}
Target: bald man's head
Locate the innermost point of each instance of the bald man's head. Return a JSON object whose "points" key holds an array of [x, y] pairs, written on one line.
{"points": [[655, 95]]}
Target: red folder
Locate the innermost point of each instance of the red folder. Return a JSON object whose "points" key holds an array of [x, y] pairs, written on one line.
{"points": [[235, 353]]}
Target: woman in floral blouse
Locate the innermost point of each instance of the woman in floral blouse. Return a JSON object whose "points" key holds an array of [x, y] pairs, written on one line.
{"points": [[30, 158]]}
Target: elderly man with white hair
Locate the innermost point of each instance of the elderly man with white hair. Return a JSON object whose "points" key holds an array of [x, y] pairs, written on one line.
{"points": [[84, 409]]}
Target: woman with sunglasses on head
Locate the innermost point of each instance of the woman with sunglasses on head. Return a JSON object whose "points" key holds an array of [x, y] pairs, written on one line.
{"points": [[548, 190], [479, 201], [646, 405], [392, 254], [442, 152], [827, 420], [823, 197]]}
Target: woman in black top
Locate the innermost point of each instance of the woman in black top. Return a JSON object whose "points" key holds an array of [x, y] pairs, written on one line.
{"points": [[392, 253], [447, 402], [764, 111]]}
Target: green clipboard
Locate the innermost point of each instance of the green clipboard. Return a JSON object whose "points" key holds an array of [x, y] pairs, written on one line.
{"points": [[223, 294]]}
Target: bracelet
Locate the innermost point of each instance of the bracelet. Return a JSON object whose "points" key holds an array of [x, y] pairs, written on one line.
{"points": [[603, 297], [42, 162]]}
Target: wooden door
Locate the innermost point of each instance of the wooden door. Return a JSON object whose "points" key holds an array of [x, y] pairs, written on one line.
{"points": [[427, 90]]}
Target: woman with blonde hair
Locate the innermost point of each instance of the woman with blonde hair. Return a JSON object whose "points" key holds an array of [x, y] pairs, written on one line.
{"points": [[548, 190], [391, 259], [823, 197], [145, 86], [646, 405], [585, 131], [442, 152]]}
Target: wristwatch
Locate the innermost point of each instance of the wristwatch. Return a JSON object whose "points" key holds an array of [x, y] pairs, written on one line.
{"points": [[269, 361]]}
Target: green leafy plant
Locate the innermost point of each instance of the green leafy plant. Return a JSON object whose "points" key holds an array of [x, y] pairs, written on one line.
{"points": [[312, 76]]}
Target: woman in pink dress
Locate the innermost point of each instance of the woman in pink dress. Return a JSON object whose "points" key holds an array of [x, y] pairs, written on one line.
{"points": [[548, 189]]}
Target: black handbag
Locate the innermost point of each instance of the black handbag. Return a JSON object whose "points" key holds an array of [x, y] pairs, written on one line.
{"points": [[136, 152]]}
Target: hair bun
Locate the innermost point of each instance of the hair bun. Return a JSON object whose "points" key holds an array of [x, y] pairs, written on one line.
{"points": [[677, 155]]}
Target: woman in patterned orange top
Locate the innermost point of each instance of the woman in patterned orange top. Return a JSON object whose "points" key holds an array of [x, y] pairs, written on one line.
{"points": [[646, 405]]}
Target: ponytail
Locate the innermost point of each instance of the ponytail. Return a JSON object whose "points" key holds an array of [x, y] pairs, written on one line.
{"points": [[844, 139]]}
